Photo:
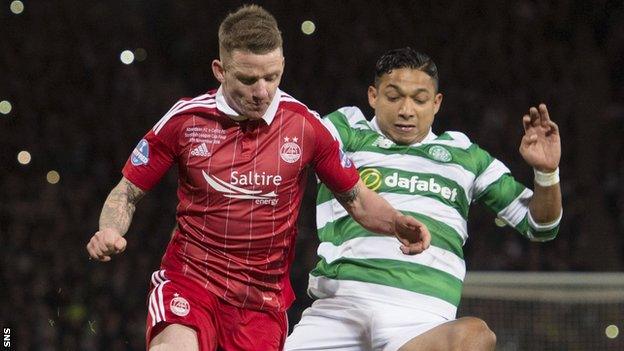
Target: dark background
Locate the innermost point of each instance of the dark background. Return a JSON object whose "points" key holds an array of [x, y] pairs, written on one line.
{"points": [[78, 110]]}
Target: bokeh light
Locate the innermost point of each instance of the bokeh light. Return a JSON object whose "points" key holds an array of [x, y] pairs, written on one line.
{"points": [[17, 7], [612, 331], [53, 177], [126, 57], [308, 27], [140, 54], [23, 157], [5, 107]]}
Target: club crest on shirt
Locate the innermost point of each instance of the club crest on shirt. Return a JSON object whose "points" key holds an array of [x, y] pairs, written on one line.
{"points": [[140, 154], [345, 161], [440, 154], [290, 150], [383, 142], [179, 306]]}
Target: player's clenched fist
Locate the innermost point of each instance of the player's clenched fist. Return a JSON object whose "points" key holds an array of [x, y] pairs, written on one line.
{"points": [[105, 243]]}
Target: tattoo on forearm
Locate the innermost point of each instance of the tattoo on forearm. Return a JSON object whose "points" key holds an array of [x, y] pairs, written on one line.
{"points": [[119, 207], [348, 196]]}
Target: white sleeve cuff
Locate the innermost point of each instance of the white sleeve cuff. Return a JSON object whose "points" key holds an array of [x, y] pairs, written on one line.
{"points": [[542, 227]]}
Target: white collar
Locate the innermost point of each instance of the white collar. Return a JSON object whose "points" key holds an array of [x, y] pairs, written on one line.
{"points": [[268, 116], [430, 136]]}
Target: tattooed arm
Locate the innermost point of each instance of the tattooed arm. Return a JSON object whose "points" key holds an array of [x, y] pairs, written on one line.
{"points": [[115, 220], [119, 206], [375, 214]]}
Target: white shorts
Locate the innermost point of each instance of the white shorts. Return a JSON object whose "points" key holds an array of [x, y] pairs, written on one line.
{"points": [[355, 324]]}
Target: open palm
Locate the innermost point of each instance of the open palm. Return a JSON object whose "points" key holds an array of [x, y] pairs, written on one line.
{"points": [[541, 145]]}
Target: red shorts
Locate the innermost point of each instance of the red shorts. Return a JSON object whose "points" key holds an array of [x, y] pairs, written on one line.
{"points": [[174, 299]]}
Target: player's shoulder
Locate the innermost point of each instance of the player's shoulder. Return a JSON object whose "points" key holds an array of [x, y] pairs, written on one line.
{"points": [[289, 103], [204, 104], [453, 139], [348, 116]]}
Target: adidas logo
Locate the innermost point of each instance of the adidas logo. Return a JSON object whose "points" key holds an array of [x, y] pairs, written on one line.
{"points": [[201, 150]]}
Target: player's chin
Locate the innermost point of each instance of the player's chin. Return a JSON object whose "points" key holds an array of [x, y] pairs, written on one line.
{"points": [[255, 113]]}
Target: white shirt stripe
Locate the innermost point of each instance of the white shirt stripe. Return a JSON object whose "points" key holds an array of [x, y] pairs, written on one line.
{"points": [[333, 131], [331, 210], [492, 173], [387, 247], [288, 98], [517, 209], [353, 114], [181, 109], [460, 140], [205, 97]]}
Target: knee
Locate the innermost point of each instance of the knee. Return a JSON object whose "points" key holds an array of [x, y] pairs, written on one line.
{"points": [[476, 335]]}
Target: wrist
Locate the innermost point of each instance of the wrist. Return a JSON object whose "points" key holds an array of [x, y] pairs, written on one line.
{"points": [[395, 223], [546, 179]]}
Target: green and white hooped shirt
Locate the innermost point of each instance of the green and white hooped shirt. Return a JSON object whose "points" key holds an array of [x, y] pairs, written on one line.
{"points": [[434, 181]]}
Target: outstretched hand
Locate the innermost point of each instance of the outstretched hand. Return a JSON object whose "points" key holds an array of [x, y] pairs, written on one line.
{"points": [[413, 235], [104, 244], [541, 145]]}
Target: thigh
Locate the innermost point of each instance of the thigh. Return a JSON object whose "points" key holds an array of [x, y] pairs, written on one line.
{"points": [[175, 337], [466, 333], [330, 325], [394, 326], [176, 308], [243, 329]]}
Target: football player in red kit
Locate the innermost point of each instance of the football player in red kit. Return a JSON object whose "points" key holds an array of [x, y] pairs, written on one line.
{"points": [[242, 152]]}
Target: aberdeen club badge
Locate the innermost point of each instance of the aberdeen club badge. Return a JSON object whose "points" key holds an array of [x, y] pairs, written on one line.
{"points": [[290, 150]]}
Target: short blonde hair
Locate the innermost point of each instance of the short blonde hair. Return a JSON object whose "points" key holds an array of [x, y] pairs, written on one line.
{"points": [[250, 28]]}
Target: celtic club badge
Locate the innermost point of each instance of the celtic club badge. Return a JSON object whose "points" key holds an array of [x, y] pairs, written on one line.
{"points": [[439, 153]]}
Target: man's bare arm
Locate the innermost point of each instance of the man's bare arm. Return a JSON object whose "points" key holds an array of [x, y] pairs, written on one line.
{"points": [[374, 213], [545, 205], [115, 220], [541, 149], [119, 206]]}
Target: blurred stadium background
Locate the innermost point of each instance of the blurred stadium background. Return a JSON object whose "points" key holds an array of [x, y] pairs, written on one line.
{"points": [[81, 82]]}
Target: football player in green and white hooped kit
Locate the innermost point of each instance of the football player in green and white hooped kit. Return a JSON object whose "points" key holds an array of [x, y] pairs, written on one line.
{"points": [[369, 295]]}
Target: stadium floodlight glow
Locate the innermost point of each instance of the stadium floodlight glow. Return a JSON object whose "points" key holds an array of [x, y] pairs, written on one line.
{"points": [[17, 7], [53, 177], [140, 54], [23, 157], [126, 57], [5, 107], [612, 331], [308, 27]]}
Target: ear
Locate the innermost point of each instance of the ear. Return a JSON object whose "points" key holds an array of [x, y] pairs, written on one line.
{"points": [[372, 96], [218, 70], [437, 102]]}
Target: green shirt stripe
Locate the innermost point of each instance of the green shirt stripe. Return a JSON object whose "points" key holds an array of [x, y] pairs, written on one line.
{"points": [[346, 228], [408, 276], [501, 193]]}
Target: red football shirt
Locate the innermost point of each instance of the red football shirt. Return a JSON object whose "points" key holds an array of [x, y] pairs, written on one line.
{"points": [[239, 190]]}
